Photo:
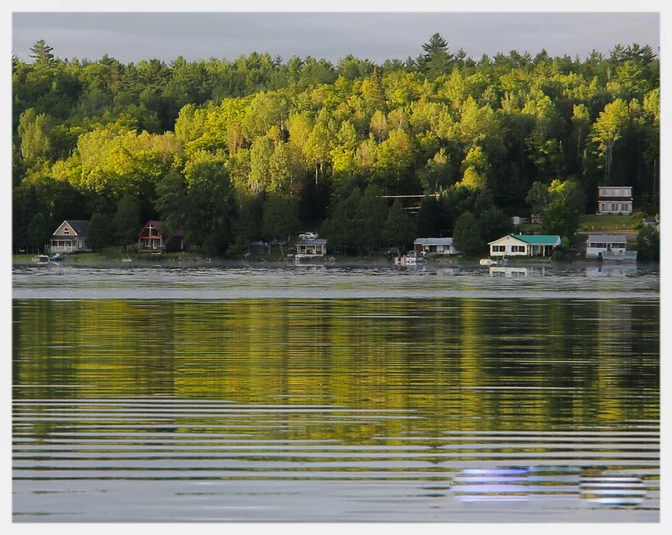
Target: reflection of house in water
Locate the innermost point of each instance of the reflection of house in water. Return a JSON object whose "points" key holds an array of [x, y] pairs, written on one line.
{"points": [[505, 271], [517, 271], [611, 270]]}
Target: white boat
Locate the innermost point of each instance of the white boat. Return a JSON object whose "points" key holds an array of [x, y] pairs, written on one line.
{"points": [[490, 262], [412, 258], [41, 259]]}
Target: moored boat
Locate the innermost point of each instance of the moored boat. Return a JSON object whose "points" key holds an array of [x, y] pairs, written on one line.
{"points": [[412, 258], [490, 262]]}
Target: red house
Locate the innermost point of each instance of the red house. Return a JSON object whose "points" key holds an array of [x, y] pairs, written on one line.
{"points": [[152, 239]]}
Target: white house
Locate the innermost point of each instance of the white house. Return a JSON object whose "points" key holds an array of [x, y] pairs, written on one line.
{"points": [[69, 237], [614, 200], [599, 245], [309, 247], [525, 245], [443, 246]]}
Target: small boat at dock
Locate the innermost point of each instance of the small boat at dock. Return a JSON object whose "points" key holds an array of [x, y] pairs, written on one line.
{"points": [[490, 262], [412, 258]]}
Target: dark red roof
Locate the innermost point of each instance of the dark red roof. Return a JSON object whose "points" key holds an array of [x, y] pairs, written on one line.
{"points": [[157, 224]]}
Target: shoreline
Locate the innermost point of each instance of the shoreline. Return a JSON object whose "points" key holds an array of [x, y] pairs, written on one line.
{"points": [[339, 261]]}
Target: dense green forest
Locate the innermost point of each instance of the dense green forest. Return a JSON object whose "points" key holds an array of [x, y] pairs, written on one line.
{"points": [[261, 148]]}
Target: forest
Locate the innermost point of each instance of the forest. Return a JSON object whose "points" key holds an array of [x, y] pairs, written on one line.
{"points": [[368, 155]]}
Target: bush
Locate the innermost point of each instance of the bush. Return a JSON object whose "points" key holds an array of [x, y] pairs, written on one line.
{"points": [[648, 245]]}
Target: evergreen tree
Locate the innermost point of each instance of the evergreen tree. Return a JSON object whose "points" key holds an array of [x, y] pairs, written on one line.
{"points": [[171, 200], [467, 235], [436, 60], [100, 232], [41, 53], [428, 221], [39, 232], [343, 228], [127, 220], [247, 223], [280, 220], [25, 205], [399, 229], [210, 204], [372, 216]]}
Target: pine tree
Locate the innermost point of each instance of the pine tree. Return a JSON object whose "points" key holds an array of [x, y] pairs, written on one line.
{"points": [[41, 53], [399, 227], [436, 60]]}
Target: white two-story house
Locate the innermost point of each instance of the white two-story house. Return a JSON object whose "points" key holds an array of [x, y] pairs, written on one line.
{"points": [[614, 200]]}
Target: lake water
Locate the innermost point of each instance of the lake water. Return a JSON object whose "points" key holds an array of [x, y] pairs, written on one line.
{"points": [[334, 394]]}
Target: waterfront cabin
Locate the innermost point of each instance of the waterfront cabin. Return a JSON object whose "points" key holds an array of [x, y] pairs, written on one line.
{"points": [[69, 237], [310, 246], [614, 200], [522, 245], [439, 246], [598, 244], [153, 240]]}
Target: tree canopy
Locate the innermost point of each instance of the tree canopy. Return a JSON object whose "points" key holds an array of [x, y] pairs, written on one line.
{"points": [[207, 134]]}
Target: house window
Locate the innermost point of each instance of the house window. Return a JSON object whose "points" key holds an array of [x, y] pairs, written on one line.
{"points": [[66, 230], [498, 248], [614, 207], [517, 248], [624, 207]]}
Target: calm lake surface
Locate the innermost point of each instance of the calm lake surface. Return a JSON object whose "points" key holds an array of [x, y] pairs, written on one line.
{"points": [[336, 394]]}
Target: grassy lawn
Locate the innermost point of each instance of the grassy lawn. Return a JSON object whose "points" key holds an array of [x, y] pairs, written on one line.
{"points": [[530, 227], [23, 258], [589, 223]]}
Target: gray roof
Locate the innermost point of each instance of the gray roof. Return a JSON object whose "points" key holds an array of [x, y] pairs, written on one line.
{"points": [[433, 241], [617, 238], [80, 226], [315, 241]]}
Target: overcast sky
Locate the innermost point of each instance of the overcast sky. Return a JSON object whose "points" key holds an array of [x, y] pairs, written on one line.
{"points": [[377, 36]]}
